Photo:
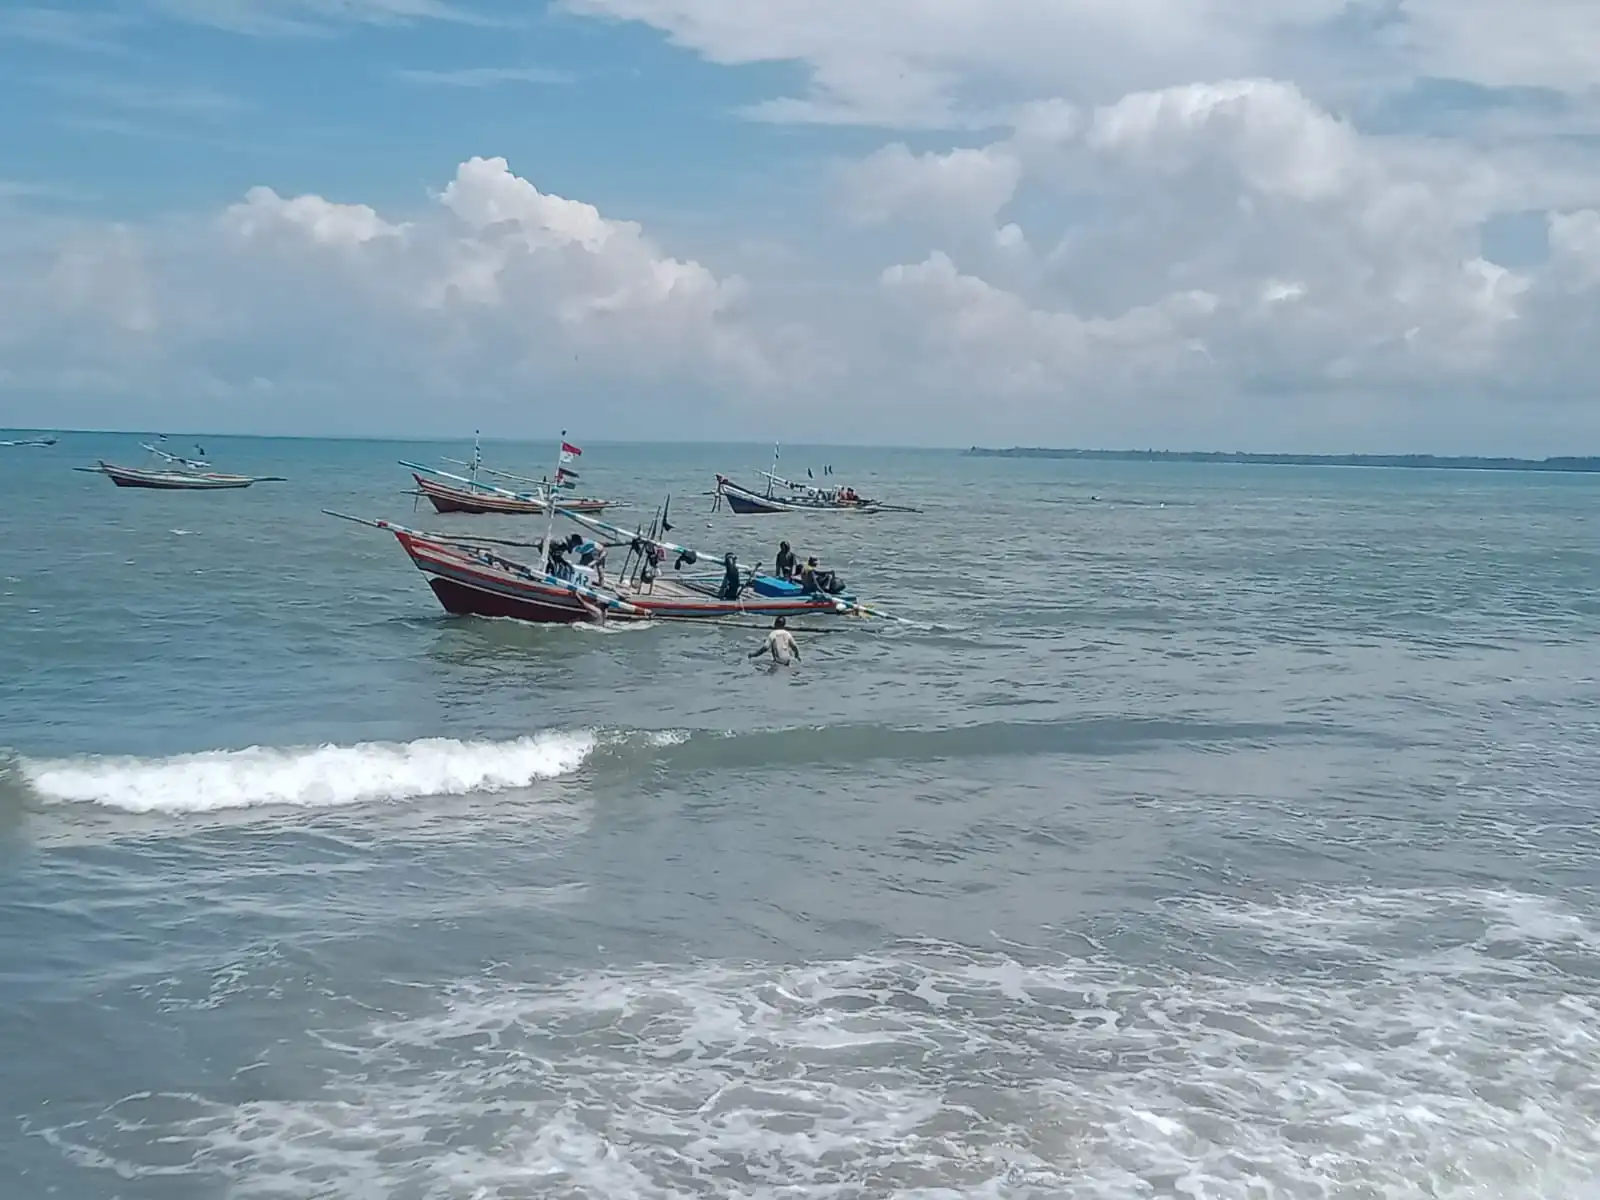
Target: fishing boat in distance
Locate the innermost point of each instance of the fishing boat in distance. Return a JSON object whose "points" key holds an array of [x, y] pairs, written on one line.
{"points": [[38, 441], [801, 497], [449, 493], [177, 473]]}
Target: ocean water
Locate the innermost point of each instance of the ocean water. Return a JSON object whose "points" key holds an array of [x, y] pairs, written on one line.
{"points": [[1214, 832]]}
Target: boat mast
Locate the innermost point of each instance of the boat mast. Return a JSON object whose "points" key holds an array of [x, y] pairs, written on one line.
{"points": [[550, 500], [477, 455]]}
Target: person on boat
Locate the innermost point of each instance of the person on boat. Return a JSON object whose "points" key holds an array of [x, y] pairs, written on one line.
{"points": [[786, 561], [557, 563], [819, 582], [732, 583], [779, 644], [650, 559], [590, 554]]}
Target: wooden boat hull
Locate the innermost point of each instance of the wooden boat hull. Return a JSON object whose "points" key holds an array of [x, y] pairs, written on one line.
{"points": [[745, 502], [481, 585], [446, 499], [171, 481]]}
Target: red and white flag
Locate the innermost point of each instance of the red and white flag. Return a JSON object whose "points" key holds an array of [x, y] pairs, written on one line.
{"points": [[569, 452]]}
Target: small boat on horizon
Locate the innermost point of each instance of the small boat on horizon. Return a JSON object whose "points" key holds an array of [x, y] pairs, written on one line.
{"points": [[51, 440], [801, 497], [178, 473]]}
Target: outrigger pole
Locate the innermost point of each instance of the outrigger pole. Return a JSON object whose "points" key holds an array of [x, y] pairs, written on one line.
{"points": [[694, 556]]}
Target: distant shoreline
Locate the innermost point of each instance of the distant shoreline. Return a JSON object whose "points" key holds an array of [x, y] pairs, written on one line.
{"points": [[1571, 464]]}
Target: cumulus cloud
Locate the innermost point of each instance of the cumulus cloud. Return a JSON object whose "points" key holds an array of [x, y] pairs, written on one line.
{"points": [[1231, 241], [1150, 221], [495, 286], [909, 64], [970, 185]]}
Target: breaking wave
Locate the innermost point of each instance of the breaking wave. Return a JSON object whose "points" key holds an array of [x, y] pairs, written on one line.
{"points": [[306, 776], [933, 1070]]}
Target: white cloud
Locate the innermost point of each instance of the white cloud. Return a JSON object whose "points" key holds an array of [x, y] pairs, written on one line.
{"points": [[1538, 43], [1147, 222], [906, 62], [966, 184], [1229, 241], [910, 64], [1575, 246], [497, 287]]}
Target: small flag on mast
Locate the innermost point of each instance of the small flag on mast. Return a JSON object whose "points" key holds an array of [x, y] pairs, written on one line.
{"points": [[569, 451]]}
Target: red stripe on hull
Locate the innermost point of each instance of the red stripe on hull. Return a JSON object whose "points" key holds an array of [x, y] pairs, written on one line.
{"points": [[460, 500], [463, 601], [448, 504]]}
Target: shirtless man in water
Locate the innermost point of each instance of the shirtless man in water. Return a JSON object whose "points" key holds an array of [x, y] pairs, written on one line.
{"points": [[780, 644]]}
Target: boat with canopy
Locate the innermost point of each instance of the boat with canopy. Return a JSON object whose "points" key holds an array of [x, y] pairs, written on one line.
{"points": [[175, 473]]}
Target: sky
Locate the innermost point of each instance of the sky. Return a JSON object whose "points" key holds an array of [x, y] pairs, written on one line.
{"points": [[1307, 225]]}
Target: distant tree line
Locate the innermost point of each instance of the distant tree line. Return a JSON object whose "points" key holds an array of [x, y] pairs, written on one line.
{"points": [[1437, 462]]}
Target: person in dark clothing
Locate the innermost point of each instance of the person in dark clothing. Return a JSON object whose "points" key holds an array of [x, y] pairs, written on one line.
{"points": [[557, 563], [786, 561], [651, 557], [732, 583], [818, 581]]}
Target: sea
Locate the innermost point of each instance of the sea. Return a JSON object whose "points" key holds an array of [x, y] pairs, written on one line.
{"points": [[1197, 831]]}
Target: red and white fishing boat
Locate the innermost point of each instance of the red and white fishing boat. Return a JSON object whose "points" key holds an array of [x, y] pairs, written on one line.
{"points": [[480, 498], [450, 493]]}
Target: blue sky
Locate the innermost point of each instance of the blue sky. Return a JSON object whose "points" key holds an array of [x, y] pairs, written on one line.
{"points": [[135, 117], [1301, 224]]}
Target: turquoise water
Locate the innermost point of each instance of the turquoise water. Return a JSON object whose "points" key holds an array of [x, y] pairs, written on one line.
{"points": [[1218, 831]]}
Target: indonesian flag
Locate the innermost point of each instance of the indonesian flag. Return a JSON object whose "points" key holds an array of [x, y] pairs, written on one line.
{"points": [[569, 452]]}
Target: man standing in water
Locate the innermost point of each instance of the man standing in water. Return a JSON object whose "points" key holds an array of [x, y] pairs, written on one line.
{"points": [[780, 644]]}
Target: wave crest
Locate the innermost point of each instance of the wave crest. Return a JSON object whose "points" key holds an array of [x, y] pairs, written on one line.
{"points": [[306, 776]]}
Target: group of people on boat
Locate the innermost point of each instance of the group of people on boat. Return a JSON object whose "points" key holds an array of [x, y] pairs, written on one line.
{"points": [[810, 576], [589, 554]]}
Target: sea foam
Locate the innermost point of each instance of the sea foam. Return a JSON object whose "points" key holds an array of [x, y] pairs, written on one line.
{"points": [[307, 776]]}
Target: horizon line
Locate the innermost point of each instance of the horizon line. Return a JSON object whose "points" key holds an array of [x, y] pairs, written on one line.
{"points": [[970, 450]]}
